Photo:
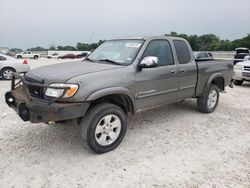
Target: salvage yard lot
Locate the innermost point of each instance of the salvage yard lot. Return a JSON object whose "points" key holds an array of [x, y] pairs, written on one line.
{"points": [[172, 146]]}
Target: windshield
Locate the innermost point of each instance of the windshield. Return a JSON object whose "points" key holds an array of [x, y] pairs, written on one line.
{"points": [[122, 52]]}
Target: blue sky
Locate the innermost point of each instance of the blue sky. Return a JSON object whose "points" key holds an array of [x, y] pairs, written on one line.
{"points": [[30, 23]]}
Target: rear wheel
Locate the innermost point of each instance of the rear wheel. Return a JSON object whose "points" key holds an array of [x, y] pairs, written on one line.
{"points": [[19, 57], [103, 127], [6, 73], [209, 102], [238, 82], [35, 57]]}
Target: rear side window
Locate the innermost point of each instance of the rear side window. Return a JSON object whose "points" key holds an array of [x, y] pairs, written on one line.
{"points": [[182, 51], [160, 49]]}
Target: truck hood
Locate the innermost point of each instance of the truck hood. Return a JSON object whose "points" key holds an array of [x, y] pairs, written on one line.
{"points": [[65, 71]]}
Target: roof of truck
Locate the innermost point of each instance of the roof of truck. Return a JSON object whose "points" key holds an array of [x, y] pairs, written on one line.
{"points": [[142, 37]]}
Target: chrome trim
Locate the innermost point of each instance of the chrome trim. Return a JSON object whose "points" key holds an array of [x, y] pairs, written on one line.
{"points": [[156, 93], [187, 87]]}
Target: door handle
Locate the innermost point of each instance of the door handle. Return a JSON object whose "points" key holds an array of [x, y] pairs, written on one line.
{"points": [[182, 70], [173, 71]]}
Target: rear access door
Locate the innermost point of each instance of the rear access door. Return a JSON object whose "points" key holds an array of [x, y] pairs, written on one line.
{"points": [[187, 71]]}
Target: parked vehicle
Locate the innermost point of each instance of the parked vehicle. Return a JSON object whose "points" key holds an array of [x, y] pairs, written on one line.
{"points": [[53, 56], [247, 58], [9, 65], [240, 54], [68, 56], [84, 54], [122, 76], [203, 56], [27, 54], [242, 71]]}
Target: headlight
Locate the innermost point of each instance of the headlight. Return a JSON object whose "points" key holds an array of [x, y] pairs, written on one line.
{"points": [[238, 67], [57, 92]]}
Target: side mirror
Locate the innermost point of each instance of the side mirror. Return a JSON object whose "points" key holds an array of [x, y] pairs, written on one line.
{"points": [[149, 62]]}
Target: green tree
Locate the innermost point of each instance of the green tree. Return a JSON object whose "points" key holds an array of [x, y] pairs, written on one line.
{"points": [[37, 49]]}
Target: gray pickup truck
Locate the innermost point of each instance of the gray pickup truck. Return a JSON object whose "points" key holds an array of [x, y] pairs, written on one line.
{"points": [[122, 76]]}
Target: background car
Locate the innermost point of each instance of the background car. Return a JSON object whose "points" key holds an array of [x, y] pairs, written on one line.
{"points": [[84, 54], [68, 56], [27, 54], [9, 65], [247, 58], [203, 56], [240, 54], [53, 56], [242, 71]]}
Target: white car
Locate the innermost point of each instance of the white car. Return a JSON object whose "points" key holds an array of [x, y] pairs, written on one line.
{"points": [[53, 56], [27, 54], [242, 71], [9, 65]]}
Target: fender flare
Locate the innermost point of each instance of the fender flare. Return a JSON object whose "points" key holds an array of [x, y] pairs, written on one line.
{"points": [[112, 91], [109, 91], [211, 78]]}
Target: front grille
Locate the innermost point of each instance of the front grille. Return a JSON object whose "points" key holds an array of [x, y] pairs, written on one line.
{"points": [[247, 68], [35, 91]]}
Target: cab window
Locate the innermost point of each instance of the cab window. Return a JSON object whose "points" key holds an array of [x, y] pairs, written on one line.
{"points": [[182, 51], [160, 49]]}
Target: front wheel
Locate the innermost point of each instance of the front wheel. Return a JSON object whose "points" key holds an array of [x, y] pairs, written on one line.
{"points": [[103, 127], [209, 102], [238, 82], [6, 73]]}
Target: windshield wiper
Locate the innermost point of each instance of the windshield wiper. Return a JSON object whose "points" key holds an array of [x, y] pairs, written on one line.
{"points": [[110, 61]]}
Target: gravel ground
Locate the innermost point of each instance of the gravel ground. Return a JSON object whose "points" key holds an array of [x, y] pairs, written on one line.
{"points": [[172, 146]]}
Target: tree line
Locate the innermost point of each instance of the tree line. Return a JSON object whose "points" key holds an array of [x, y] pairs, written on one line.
{"points": [[211, 42], [207, 42]]}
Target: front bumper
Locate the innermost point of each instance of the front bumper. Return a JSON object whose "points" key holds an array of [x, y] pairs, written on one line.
{"points": [[37, 110], [241, 75]]}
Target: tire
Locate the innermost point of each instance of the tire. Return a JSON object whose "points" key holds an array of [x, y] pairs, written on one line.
{"points": [[35, 57], [6, 73], [19, 57], [100, 122], [238, 82], [209, 102]]}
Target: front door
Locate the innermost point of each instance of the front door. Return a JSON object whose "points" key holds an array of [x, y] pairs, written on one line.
{"points": [[157, 86]]}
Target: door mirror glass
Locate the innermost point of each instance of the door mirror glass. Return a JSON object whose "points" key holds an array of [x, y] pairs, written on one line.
{"points": [[149, 62]]}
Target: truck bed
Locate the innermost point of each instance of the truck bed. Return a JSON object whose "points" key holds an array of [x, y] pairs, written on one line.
{"points": [[207, 68]]}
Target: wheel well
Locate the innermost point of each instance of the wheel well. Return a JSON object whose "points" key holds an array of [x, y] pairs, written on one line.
{"points": [[219, 82], [8, 68], [121, 100]]}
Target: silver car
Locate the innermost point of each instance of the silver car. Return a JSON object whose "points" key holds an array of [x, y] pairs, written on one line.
{"points": [[203, 56], [9, 65]]}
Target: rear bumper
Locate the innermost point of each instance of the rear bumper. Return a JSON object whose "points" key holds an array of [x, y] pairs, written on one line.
{"points": [[38, 110]]}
